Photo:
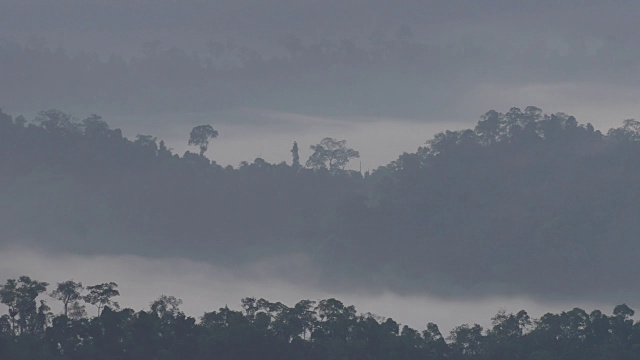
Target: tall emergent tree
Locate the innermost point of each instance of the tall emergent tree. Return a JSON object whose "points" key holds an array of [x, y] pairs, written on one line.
{"points": [[9, 297], [331, 154], [166, 305], [101, 295], [201, 135], [296, 157], [67, 292], [20, 296]]}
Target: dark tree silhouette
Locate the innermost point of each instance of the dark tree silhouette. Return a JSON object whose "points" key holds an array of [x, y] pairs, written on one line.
{"points": [[331, 154], [295, 162], [315, 330], [200, 137], [67, 292], [101, 295]]}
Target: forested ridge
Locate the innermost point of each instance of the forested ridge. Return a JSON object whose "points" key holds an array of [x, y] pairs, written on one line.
{"points": [[325, 329], [522, 198]]}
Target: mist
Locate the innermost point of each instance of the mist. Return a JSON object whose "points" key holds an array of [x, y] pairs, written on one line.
{"points": [[426, 161], [204, 287], [253, 132]]}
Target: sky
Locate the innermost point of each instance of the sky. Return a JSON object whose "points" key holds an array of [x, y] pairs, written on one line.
{"points": [[294, 70], [440, 64]]}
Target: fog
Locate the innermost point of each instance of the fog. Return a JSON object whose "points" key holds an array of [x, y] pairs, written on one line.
{"points": [[204, 288], [269, 134], [379, 140], [386, 76]]}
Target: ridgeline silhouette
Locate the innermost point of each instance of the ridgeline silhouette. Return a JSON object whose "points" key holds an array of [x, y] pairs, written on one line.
{"points": [[525, 203]]}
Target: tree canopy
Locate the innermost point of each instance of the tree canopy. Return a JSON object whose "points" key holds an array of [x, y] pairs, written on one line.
{"points": [[331, 154], [521, 198], [200, 137], [316, 330]]}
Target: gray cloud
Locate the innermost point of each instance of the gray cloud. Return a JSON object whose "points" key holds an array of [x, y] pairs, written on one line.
{"points": [[296, 15], [418, 60], [365, 65]]}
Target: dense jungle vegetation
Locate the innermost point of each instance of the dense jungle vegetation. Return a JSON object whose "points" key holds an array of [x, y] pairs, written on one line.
{"points": [[523, 198], [326, 329]]}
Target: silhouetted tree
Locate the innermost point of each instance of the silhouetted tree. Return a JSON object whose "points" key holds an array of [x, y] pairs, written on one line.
{"points": [[20, 296], [166, 305], [201, 135], [101, 295], [67, 292], [272, 330], [295, 163], [331, 154], [56, 120]]}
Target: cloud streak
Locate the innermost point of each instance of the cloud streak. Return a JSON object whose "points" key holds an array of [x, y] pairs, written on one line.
{"points": [[205, 287]]}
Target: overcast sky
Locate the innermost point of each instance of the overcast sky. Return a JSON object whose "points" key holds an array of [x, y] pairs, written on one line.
{"points": [[433, 65], [579, 57]]}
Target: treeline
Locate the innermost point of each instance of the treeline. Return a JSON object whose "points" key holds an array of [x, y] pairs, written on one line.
{"points": [[323, 330], [521, 199], [80, 186]]}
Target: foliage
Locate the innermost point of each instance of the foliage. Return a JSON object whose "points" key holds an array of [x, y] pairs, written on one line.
{"points": [[101, 295], [295, 157], [201, 135], [331, 154], [20, 296], [326, 329], [522, 198], [68, 293]]}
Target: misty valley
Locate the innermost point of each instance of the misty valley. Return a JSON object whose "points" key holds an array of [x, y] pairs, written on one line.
{"points": [[319, 180], [525, 203], [522, 198]]}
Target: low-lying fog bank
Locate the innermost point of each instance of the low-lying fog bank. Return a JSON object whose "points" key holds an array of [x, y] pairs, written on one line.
{"points": [[204, 287]]}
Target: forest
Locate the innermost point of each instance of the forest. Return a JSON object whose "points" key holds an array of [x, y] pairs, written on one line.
{"points": [[522, 198], [230, 179], [325, 329]]}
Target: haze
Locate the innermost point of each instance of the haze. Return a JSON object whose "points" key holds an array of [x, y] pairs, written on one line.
{"points": [[386, 76]]}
